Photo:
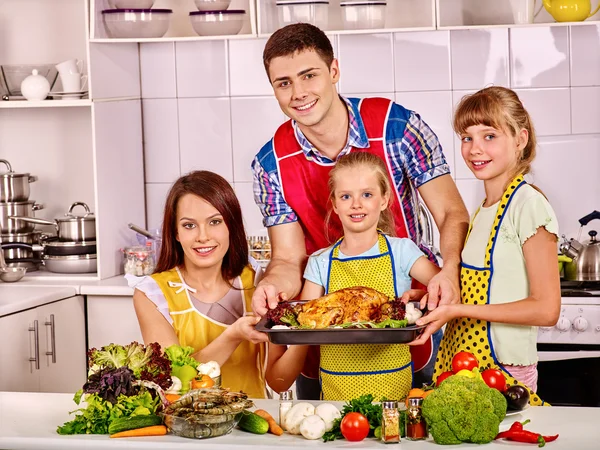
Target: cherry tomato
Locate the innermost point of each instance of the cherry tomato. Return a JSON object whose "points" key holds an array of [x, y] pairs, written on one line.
{"points": [[442, 377], [464, 361], [494, 378], [355, 426]]}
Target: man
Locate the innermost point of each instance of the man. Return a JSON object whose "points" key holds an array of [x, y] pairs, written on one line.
{"points": [[291, 172]]}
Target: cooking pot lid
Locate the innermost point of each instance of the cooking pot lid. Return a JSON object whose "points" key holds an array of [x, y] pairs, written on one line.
{"points": [[71, 217], [10, 173]]}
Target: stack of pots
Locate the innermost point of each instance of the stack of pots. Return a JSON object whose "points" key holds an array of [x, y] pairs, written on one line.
{"points": [[74, 249], [14, 201]]}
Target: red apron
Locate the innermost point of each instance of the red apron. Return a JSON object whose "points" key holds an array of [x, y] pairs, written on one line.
{"points": [[304, 188]]}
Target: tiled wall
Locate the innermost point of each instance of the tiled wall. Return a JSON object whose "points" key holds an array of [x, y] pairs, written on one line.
{"points": [[208, 104]]}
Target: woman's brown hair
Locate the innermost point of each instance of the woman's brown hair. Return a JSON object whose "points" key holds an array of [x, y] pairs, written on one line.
{"points": [[500, 108], [218, 192], [367, 161]]}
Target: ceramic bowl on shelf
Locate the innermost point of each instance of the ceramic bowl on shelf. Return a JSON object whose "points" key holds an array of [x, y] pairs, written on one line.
{"points": [[212, 5], [315, 12], [218, 23], [136, 23], [360, 15], [135, 4]]}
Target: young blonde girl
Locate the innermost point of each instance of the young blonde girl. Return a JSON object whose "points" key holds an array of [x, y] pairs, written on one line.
{"points": [[509, 277], [201, 292], [368, 256]]}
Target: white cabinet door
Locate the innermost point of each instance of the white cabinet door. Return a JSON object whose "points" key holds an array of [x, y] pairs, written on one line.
{"points": [[111, 320], [62, 345], [17, 346]]}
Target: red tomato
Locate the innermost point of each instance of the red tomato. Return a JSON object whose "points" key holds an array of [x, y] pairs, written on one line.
{"points": [[355, 426], [464, 361], [442, 377], [494, 378]]}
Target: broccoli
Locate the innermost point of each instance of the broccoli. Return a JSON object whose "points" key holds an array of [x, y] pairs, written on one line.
{"points": [[464, 409]]}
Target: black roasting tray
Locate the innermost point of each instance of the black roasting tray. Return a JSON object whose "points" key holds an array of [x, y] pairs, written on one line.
{"points": [[339, 335]]}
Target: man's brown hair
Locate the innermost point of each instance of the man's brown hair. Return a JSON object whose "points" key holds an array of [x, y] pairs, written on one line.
{"points": [[295, 38]]}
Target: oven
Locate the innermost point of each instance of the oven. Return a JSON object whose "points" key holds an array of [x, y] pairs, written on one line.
{"points": [[569, 352]]}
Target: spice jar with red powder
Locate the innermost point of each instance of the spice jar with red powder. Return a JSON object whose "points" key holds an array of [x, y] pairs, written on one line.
{"points": [[416, 427]]}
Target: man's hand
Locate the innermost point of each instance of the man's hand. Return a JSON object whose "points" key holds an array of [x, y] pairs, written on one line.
{"points": [[434, 321], [443, 289], [266, 296]]}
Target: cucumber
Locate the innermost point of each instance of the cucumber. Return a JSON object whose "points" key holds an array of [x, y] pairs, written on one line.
{"points": [[253, 423], [131, 423]]}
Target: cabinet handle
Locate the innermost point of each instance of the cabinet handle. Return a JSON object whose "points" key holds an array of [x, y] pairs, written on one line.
{"points": [[36, 341], [52, 340]]}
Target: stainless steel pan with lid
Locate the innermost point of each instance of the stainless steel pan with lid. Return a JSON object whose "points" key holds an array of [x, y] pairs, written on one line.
{"points": [[71, 228], [14, 187]]}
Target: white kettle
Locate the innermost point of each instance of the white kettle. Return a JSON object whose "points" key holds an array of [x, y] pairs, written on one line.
{"points": [[35, 86]]}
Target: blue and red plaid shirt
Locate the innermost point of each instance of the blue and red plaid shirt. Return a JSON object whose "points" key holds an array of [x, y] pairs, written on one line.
{"points": [[416, 159]]}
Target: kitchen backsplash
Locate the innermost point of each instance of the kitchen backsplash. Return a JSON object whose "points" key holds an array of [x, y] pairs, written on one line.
{"points": [[208, 104]]}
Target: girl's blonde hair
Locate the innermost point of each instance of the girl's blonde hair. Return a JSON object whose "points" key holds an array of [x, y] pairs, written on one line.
{"points": [[500, 108], [368, 161]]}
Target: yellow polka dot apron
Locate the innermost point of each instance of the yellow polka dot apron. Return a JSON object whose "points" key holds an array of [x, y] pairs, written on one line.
{"points": [[349, 371], [245, 368], [473, 335]]}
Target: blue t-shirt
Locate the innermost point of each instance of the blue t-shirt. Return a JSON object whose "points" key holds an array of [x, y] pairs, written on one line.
{"points": [[405, 254]]}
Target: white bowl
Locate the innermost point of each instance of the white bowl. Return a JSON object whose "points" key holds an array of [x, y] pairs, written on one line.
{"points": [[218, 23], [128, 4], [212, 5], [363, 14], [315, 12], [136, 23]]}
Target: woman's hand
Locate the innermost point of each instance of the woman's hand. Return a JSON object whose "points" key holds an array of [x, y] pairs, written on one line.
{"points": [[435, 320], [413, 295], [243, 330]]}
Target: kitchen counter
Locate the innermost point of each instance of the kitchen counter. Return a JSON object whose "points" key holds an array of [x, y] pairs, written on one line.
{"points": [[15, 297], [29, 420]]}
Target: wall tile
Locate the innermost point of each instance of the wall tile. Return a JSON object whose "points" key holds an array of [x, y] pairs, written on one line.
{"points": [[247, 73], [472, 193], [585, 55], [251, 212], [389, 95], [585, 108], [572, 194], [202, 69], [539, 57], [156, 194], [550, 110], [366, 63], [255, 121], [161, 140], [479, 58], [205, 135], [435, 108], [115, 70], [422, 61], [157, 70]]}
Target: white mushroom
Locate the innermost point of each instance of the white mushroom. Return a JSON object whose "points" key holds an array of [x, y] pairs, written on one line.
{"points": [[312, 427], [412, 314], [175, 387], [328, 413], [295, 416], [210, 368]]}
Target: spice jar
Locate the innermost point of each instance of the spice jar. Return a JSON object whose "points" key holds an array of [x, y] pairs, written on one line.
{"points": [[139, 260], [416, 428], [390, 423], [285, 404]]}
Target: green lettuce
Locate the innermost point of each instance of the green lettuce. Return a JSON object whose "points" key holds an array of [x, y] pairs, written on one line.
{"points": [[180, 356]]}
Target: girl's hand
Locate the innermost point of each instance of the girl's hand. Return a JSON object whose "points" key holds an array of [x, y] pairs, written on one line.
{"points": [[435, 320], [415, 294], [243, 330]]}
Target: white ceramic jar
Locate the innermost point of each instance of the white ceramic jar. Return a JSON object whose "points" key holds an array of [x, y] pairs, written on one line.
{"points": [[361, 15], [35, 87]]}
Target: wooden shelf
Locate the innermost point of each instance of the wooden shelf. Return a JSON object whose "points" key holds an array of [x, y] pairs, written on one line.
{"points": [[45, 103]]}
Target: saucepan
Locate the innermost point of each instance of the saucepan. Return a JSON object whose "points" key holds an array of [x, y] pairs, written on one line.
{"points": [[14, 187], [10, 274], [70, 228], [20, 209], [71, 264]]}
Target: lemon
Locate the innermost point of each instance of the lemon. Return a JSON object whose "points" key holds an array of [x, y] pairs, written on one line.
{"points": [[186, 374], [465, 373]]}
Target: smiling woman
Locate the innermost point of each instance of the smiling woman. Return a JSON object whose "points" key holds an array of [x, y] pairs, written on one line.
{"points": [[200, 294]]}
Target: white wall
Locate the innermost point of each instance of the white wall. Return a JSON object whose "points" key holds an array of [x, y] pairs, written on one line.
{"points": [[208, 104]]}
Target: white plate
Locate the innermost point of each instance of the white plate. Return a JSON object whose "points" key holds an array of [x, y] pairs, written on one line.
{"points": [[514, 413]]}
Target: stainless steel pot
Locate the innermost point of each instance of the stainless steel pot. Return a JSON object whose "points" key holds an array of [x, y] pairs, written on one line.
{"points": [[71, 264], [14, 187], [70, 228], [585, 264], [22, 251], [20, 209], [23, 238]]}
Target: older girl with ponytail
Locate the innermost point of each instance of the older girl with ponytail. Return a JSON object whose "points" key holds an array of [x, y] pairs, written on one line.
{"points": [[509, 275]]}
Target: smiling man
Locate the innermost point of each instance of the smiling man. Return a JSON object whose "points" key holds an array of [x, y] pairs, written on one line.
{"points": [[291, 173]]}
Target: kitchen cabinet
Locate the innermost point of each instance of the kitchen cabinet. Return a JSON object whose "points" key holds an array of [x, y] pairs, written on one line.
{"points": [[111, 320], [43, 348]]}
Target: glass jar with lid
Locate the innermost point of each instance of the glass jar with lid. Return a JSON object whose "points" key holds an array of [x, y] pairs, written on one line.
{"points": [[139, 260]]}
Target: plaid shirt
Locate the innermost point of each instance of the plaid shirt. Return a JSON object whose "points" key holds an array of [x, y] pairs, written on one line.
{"points": [[412, 147]]}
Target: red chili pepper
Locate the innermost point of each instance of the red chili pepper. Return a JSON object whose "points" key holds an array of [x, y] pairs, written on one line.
{"points": [[518, 426], [526, 436]]}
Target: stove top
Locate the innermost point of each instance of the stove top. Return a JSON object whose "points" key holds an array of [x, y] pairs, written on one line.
{"points": [[579, 288]]}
